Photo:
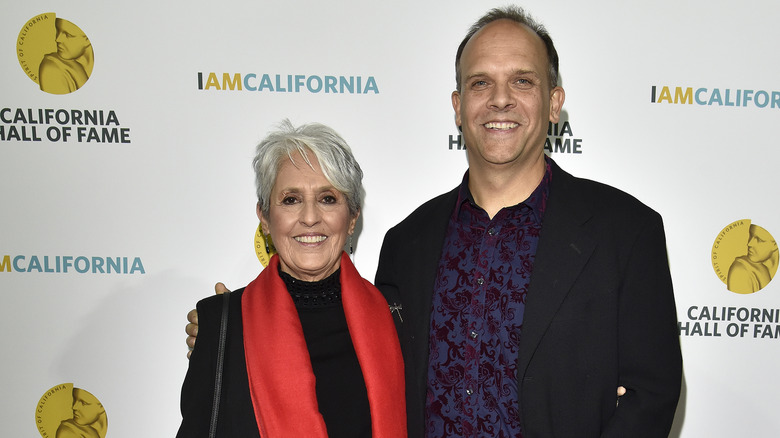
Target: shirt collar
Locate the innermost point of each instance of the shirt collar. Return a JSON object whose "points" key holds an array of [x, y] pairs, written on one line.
{"points": [[537, 201]]}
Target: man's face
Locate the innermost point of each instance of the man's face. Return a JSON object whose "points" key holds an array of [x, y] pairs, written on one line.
{"points": [[505, 101]]}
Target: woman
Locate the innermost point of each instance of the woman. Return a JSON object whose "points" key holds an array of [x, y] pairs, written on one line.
{"points": [[311, 348]]}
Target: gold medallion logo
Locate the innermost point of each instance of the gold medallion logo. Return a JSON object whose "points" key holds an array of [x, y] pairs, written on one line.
{"points": [[260, 246], [55, 53], [66, 411], [745, 257]]}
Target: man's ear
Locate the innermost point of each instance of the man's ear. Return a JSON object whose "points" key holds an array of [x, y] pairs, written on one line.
{"points": [[456, 106], [557, 96]]}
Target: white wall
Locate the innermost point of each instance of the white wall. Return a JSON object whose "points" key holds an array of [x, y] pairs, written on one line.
{"points": [[179, 196]]}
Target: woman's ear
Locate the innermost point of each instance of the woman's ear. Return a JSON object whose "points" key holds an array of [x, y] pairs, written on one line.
{"points": [[352, 223], [263, 220]]}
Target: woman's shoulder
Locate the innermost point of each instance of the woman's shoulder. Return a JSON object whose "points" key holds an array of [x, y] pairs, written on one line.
{"points": [[215, 301], [210, 310]]}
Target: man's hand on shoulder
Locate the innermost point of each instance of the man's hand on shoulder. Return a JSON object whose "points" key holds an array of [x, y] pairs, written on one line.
{"points": [[192, 327]]}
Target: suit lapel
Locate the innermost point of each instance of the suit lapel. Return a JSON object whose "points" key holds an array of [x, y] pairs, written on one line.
{"points": [[425, 249], [564, 249]]}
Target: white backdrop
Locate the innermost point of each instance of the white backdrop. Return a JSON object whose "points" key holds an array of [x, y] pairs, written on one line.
{"points": [[179, 197]]}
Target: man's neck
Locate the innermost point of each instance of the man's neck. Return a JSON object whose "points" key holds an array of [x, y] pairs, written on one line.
{"points": [[496, 187]]}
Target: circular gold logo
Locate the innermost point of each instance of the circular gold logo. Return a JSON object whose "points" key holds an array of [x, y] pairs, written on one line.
{"points": [[745, 257], [66, 411], [55, 53], [261, 245]]}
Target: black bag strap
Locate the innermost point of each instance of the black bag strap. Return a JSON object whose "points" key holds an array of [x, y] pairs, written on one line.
{"points": [[220, 362]]}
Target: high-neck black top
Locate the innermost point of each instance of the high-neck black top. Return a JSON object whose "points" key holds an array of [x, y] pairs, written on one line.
{"points": [[340, 388]]}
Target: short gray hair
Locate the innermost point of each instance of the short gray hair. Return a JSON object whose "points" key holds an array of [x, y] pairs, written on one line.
{"points": [[518, 15], [332, 151]]}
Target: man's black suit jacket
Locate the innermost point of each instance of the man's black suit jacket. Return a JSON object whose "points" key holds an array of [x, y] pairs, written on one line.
{"points": [[600, 313]]}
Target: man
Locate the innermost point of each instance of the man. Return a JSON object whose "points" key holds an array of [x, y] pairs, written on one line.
{"points": [[525, 296]]}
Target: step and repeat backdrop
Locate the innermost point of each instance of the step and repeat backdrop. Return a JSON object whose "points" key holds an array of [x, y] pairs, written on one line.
{"points": [[127, 131]]}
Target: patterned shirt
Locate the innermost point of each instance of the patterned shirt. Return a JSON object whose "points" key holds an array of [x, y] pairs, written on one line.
{"points": [[477, 317]]}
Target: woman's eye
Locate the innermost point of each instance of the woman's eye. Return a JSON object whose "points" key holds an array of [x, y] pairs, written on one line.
{"points": [[289, 200], [329, 199]]}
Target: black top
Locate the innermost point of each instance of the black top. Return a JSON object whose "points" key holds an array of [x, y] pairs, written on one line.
{"points": [[340, 388]]}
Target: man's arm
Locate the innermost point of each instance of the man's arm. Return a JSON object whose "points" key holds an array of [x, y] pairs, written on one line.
{"points": [[649, 348], [192, 327]]}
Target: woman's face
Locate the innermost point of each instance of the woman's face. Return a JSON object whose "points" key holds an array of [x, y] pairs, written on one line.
{"points": [[309, 220]]}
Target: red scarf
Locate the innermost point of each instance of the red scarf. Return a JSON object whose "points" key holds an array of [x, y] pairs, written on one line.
{"points": [[281, 380]]}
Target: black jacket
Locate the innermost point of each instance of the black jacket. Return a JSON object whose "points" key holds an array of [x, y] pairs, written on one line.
{"points": [[600, 313]]}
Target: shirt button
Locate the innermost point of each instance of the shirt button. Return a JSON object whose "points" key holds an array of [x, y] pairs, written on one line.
{"points": [[480, 281], [492, 231], [469, 391], [473, 334]]}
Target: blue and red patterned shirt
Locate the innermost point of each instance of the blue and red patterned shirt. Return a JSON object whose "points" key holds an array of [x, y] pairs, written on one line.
{"points": [[477, 317]]}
